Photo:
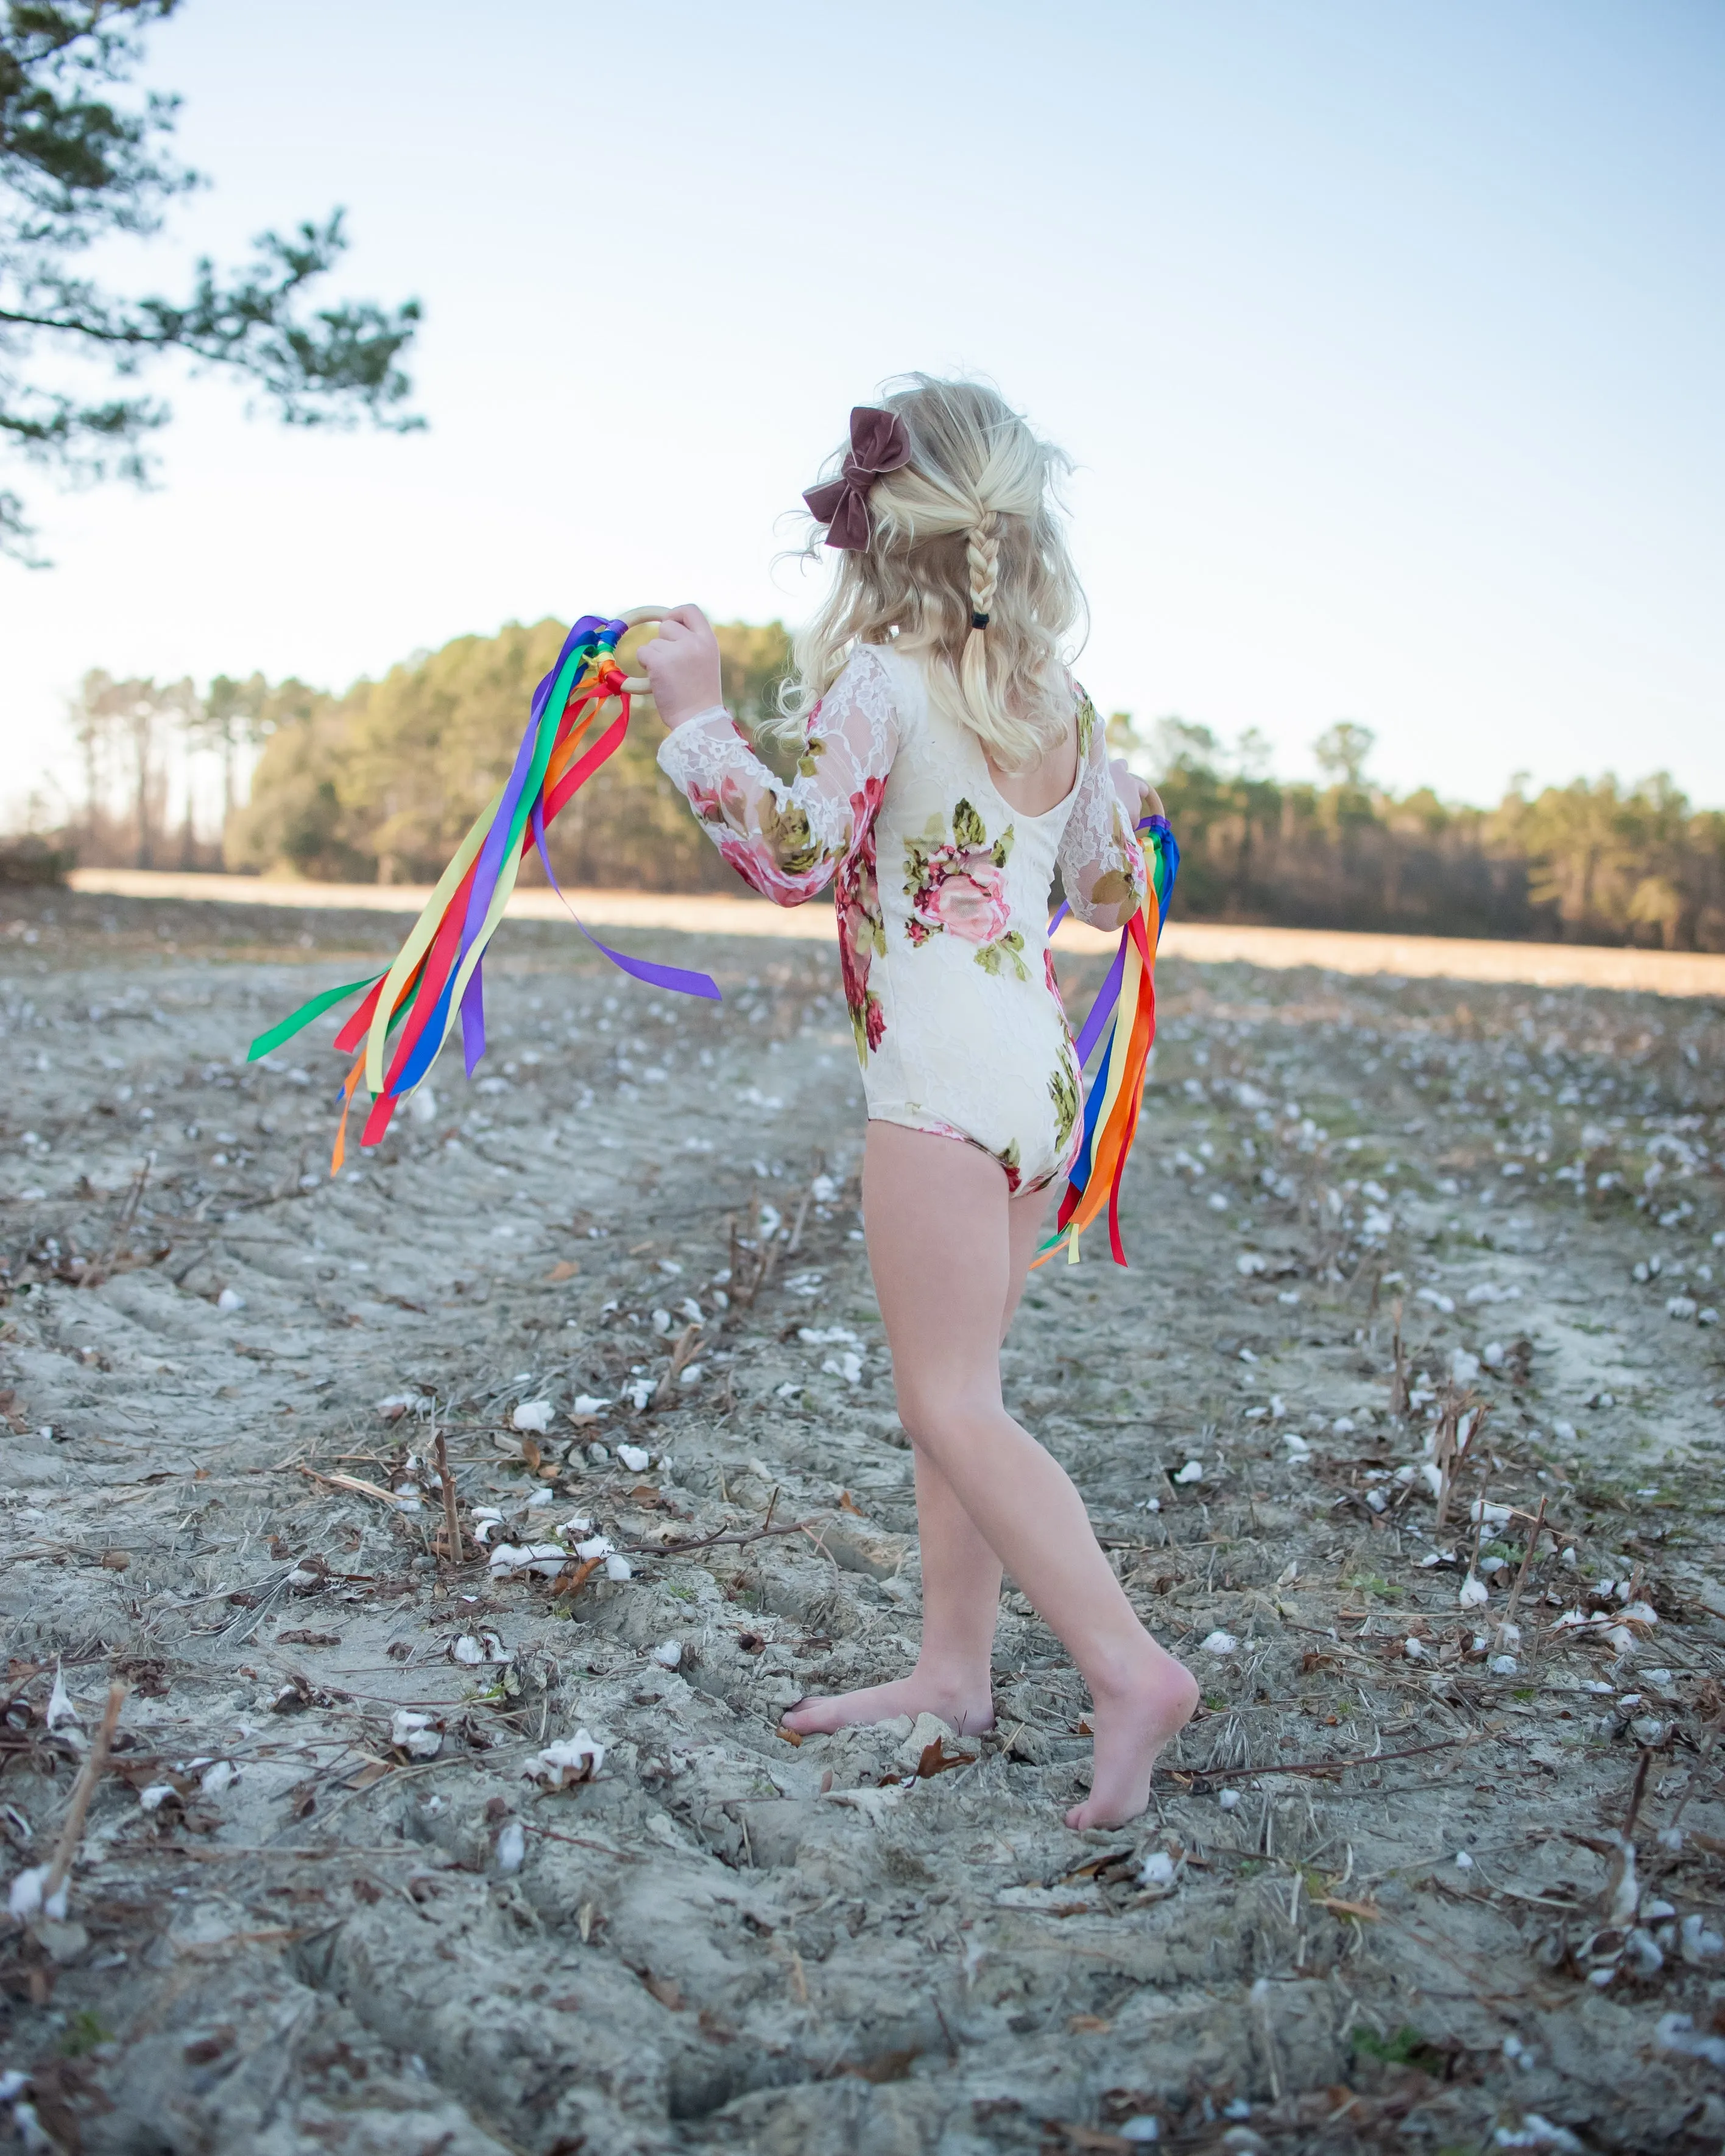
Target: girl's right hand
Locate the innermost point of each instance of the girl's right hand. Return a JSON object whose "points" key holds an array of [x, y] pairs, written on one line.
{"points": [[682, 663]]}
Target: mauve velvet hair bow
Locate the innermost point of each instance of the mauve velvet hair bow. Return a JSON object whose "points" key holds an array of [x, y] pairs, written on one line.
{"points": [[878, 445]]}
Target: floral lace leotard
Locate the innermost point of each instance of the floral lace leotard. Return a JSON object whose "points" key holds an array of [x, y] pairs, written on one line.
{"points": [[943, 894]]}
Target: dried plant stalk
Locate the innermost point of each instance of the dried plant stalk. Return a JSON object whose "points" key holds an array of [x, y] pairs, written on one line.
{"points": [[83, 1789]]}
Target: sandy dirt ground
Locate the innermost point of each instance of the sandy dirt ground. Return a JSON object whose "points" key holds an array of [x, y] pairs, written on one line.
{"points": [[1403, 1428]]}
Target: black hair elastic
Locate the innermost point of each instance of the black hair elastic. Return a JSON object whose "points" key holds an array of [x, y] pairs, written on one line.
{"points": [[979, 621]]}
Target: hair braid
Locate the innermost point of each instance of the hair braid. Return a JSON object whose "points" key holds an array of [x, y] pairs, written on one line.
{"points": [[982, 551], [982, 554]]}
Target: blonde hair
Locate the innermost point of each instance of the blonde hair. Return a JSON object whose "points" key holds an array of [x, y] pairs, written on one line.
{"points": [[969, 527]]}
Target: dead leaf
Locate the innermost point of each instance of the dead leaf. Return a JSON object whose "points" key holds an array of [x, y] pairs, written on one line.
{"points": [[846, 1504], [1368, 1912], [368, 1773], [367, 1891], [935, 1759], [564, 1268], [665, 1990], [572, 1583], [301, 1636], [1089, 2025], [790, 1736], [884, 2066], [115, 1561]]}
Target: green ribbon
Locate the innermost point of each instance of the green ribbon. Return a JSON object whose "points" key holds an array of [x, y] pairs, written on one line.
{"points": [[266, 1043]]}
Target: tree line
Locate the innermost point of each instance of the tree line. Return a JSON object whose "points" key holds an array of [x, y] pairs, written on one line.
{"points": [[379, 785], [1595, 862]]}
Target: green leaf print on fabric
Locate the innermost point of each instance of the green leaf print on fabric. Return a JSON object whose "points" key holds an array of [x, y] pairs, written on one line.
{"points": [[1005, 952], [956, 884], [1087, 726], [1063, 1092]]}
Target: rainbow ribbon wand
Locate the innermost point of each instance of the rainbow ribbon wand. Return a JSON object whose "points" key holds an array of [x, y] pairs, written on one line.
{"points": [[438, 970], [1126, 1007]]}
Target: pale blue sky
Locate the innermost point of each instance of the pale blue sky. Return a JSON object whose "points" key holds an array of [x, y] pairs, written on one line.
{"points": [[1389, 340]]}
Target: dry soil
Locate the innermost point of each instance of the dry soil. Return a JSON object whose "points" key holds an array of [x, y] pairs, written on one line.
{"points": [[1417, 1267]]}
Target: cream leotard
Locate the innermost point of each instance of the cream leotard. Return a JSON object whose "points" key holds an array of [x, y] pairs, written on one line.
{"points": [[943, 893]]}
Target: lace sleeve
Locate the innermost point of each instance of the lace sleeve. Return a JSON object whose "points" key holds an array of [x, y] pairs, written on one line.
{"points": [[786, 840], [1101, 863]]}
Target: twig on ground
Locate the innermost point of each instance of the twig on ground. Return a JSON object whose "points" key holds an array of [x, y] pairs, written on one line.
{"points": [[1521, 1580], [713, 1542], [683, 1348], [353, 1482], [1319, 1765], [452, 1524], [83, 1789]]}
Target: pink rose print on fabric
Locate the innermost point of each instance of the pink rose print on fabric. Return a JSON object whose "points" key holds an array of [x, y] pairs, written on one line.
{"points": [[784, 861], [957, 885], [964, 895], [862, 927]]}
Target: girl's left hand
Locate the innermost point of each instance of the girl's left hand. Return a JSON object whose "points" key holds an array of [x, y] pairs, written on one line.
{"points": [[682, 663], [1139, 798]]}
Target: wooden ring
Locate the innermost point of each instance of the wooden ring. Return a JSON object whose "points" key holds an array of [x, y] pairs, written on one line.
{"points": [[638, 684]]}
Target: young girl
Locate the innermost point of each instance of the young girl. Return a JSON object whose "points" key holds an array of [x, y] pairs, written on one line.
{"points": [[940, 734]]}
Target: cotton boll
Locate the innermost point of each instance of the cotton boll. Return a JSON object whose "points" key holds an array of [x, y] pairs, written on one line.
{"points": [[1192, 1472], [1157, 1869], [668, 1653], [540, 1497], [1464, 1367], [1464, 1862], [619, 1568], [661, 1322], [157, 1795], [1414, 1651], [691, 1373], [533, 1416], [595, 1546], [218, 1777], [634, 1457], [586, 1403], [1220, 1643], [571, 1759], [467, 1650], [1474, 1591], [414, 1734], [422, 1105], [24, 1897], [1228, 1799], [1502, 1665], [511, 1846], [60, 1702], [580, 1525], [229, 1300]]}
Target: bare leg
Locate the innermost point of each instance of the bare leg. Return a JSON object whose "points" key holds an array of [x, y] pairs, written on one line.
{"points": [[961, 1575], [942, 1238]]}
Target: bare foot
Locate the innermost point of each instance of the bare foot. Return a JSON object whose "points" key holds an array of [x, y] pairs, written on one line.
{"points": [[968, 1712], [1132, 1727]]}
